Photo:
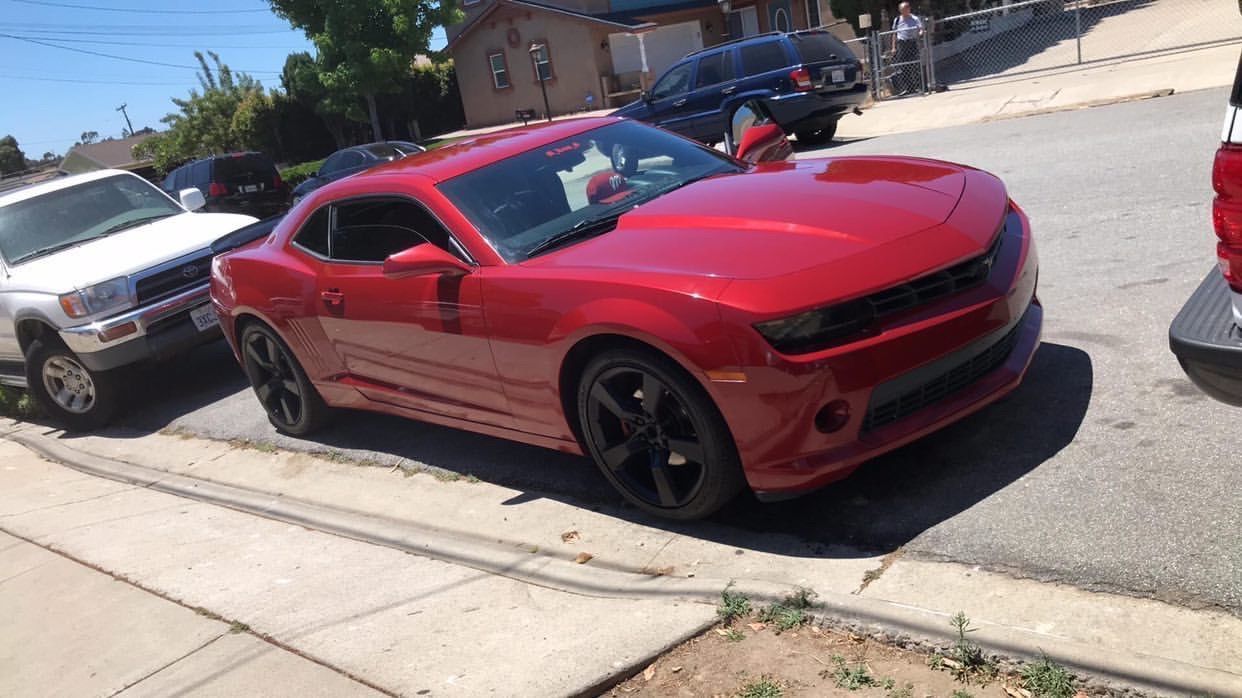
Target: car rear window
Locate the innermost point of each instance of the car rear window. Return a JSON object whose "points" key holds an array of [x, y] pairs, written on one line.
{"points": [[244, 169], [383, 150], [818, 47], [763, 58]]}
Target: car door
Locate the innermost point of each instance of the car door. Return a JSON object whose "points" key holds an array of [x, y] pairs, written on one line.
{"points": [[714, 82], [670, 99], [418, 342], [765, 66]]}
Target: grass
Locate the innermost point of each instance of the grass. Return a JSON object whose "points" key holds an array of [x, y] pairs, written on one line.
{"points": [[852, 678], [906, 691], [441, 142], [790, 613], [237, 627], [296, 174], [734, 635], [966, 659], [1047, 679], [17, 404], [763, 687], [732, 606], [959, 693]]}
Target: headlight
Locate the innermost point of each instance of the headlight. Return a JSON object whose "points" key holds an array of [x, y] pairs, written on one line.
{"points": [[817, 329], [109, 295]]}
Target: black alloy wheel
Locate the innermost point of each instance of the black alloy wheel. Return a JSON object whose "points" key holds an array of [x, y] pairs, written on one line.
{"points": [[656, 436], [292, 404]]}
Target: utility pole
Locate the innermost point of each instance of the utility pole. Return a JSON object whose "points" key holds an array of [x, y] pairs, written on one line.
{"points": [[126, 115]]}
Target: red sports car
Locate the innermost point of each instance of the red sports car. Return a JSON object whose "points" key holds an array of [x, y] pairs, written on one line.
{"points": [[694, 323]]}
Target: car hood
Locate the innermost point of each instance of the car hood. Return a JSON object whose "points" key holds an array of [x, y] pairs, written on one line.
{"points": [[124, 253], [777, 219]]}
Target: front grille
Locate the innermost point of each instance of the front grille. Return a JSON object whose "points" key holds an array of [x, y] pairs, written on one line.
{"points": [[178, 277], [940, 386], [936, 285]]}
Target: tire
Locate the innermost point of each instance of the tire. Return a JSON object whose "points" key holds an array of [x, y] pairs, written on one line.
{"points": [[817, 137], [73, 395], [291, 402], [635, 441]]}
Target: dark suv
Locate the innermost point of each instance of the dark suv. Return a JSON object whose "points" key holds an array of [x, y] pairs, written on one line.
{"points": [[808, 79], [233, 183]]}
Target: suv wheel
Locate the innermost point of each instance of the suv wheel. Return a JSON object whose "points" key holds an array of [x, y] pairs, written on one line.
{"points": [[70, 393], [817, 137]]}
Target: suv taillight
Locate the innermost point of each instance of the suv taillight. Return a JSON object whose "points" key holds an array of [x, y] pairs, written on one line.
{"points": [[277, 182], [801, 79], [1227, 212], [217, 189]]}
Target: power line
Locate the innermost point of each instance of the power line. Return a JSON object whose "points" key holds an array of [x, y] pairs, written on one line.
{"points": [[76, 81], [142, 10], [125, 58], [179, 45], [140, 30]]}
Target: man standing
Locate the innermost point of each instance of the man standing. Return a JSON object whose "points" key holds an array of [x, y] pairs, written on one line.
{"points": [[907, 30]]}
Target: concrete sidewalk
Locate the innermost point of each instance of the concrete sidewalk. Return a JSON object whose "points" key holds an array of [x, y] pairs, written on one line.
{"points": [[493, 598]]}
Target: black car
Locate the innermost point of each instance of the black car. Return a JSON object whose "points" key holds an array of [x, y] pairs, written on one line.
{"points": [[808, 79], [233, 183], [352, 160]]}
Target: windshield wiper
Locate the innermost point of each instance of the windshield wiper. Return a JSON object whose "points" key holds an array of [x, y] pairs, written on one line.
{"points": [[48, 250], [587, 227], [131, 223]]}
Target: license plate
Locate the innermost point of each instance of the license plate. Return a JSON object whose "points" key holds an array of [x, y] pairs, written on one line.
{"points": [[250, 188], [838, 76], [204, 317]]}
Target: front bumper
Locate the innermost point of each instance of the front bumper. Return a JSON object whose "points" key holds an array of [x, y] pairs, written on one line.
{"points": [[160, 330], [1207, 341]]}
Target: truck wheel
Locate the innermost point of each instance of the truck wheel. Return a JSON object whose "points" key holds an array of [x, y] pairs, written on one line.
{"points": [[73, 395]]}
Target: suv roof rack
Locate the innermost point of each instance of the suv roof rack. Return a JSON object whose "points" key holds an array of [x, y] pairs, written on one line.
{"points": [[732, 42]]}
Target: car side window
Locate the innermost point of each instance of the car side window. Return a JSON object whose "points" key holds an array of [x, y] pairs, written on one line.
{"points": [[714, 69], [674, 82], [370, 231], [763, 57], [313, 236]]}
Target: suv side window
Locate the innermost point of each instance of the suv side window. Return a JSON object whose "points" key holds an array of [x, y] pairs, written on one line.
{"points": [[314, 233], [200, 174], [763, 57], [715, 69], [372, 230], [674, 82]]}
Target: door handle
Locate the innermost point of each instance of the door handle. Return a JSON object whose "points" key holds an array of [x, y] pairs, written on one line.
{"points": [[679, 102], [729, 90], [332, 298]]}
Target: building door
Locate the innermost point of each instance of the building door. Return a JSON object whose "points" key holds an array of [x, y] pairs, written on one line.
{"points": [[743, 22], [780, 16]]}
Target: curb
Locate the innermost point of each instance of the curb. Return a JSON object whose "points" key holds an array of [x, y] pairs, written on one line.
{"points": [[1144, 671]]}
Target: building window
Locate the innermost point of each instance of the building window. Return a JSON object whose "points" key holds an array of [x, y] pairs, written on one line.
{"points": [[812, 14], [500, 70], [782, 20], [542, 62]]}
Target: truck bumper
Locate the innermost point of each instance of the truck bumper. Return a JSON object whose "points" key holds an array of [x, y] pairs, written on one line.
{"points": [[816, 109], [156, 331], [1207, 341]]}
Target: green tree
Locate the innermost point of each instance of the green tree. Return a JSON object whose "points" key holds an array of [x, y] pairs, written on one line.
{"points": [[223, 116], [12, 159], [367, 46], [300, 78], [88, 137]]}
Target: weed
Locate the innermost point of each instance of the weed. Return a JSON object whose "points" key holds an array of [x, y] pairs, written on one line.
{"points": [[472, 479], [264, 447], [968, 658], [734, 635], [763, 687], [237, 627], [17, 404], [1047, 679], [959, 693], [851, 678], [732, 605], [906, 691], [790, 613], [447, 476]]}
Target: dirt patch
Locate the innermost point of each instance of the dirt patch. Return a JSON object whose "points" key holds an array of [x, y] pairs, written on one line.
{"points": [[749, 659]]}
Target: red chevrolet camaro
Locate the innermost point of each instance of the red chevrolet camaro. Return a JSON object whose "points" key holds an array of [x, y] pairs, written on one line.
{"points": [[694, 323]]}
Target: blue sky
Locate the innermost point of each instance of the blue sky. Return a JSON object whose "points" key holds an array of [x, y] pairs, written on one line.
{"points": [[49, 96]]}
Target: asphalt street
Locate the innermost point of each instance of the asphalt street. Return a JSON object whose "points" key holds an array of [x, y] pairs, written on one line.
{"points": [[1106, 469]]}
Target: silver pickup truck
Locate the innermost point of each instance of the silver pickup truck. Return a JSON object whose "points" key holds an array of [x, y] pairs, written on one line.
{"points": [[97, 272]]}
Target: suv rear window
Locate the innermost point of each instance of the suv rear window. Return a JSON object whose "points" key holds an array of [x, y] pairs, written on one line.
{"points": [[817, 47], [763, 58], [244, 169]]}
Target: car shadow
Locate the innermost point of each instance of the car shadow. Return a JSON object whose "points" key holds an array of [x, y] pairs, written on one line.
{"points": [[885, 504]]}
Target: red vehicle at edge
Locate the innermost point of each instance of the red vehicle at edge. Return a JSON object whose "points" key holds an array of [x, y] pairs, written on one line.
{"points": [[694, 323]]}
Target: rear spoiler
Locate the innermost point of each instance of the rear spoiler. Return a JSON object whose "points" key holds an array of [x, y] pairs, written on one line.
{"points": [[245, 235]]}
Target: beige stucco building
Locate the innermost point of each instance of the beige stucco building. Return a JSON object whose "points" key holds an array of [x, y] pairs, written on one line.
{"points": [[594, 54]]}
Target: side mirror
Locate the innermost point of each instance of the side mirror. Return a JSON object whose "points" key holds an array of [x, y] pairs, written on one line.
{"points": [[423, 260], [191, 199], [645, 95], [754, 136]]}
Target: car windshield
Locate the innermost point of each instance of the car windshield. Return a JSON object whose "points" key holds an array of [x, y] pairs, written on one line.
{"points": [[521, 203], [74, 215]]}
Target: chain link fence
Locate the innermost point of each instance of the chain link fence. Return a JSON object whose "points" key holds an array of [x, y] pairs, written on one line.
{"points": [[1035, 35]]}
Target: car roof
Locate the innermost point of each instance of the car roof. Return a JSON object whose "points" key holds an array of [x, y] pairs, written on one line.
{"points": [[474, 152], [33, 190]]}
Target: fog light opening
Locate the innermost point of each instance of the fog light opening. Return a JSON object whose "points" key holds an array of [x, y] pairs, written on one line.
{"points": [[118, 332], [833, 416]]}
